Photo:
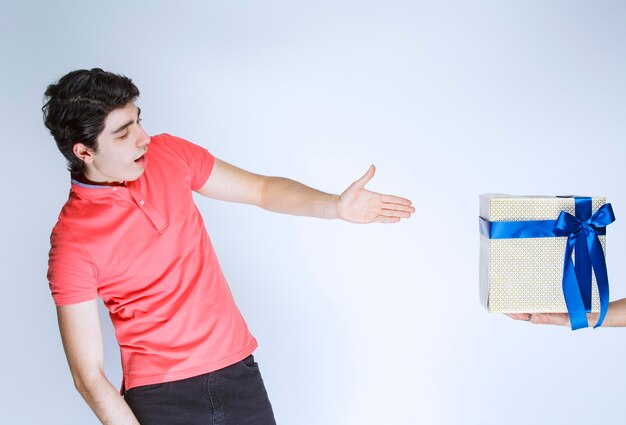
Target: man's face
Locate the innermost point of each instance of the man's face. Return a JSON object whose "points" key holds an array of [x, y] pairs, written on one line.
{"points": [[121, 148]]}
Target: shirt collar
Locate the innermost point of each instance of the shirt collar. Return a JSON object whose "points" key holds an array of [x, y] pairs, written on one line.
{"points": [[89, 186]]}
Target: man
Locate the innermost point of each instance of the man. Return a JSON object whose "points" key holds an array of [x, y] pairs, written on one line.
{"points": [[131, 234]]}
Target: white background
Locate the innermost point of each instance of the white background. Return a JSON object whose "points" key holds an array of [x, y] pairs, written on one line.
{"points": [[376, 324]]}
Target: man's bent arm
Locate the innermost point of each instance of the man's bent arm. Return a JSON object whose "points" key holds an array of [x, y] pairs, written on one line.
{"points": [[278, 194], [82, 340]]}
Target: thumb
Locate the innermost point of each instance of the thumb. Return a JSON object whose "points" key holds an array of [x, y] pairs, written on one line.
{"points": [[367, 176]]}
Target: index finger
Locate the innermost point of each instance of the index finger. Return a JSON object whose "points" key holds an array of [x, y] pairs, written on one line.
{"points": [[519, 316], [390, 199]]}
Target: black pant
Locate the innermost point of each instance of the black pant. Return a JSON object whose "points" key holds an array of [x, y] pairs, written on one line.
{"points": [[234, 395]]}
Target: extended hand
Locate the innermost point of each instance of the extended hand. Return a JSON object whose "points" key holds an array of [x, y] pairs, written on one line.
{"points": [[358, 205]]}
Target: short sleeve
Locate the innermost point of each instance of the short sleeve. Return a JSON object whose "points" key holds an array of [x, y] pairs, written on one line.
{"points": [[72, 274], [199, 159]]}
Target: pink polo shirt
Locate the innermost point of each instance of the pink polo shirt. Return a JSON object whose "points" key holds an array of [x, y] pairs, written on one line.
{"points": [[145, 251]]}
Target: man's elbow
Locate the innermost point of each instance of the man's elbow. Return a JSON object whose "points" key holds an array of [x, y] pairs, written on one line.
{"points": [[86, 381]]}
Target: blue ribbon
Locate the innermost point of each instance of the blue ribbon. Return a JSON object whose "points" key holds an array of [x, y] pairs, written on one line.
{"points": [[589, 254], [582, 233]]}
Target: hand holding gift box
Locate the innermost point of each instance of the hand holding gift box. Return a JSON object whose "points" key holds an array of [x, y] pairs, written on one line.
{"points": [[544, 255], [615, 316]]}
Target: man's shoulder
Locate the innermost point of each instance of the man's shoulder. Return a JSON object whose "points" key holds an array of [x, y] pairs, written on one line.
{"points": [[167, 145], [74, 214], [182, 149], [171, 142], [160, 138], [167, 139]]}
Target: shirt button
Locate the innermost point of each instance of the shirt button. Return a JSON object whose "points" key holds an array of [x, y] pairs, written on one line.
{"points": [[141, 202]]}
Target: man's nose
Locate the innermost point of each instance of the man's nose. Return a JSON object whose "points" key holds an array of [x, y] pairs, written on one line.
{"points": [[143, 139]]}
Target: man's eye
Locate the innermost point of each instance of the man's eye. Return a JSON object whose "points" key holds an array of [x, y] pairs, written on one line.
{"points": [[123, 136]]}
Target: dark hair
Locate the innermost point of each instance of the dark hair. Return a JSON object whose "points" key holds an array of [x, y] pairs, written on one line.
{"points": [[77, 106]]}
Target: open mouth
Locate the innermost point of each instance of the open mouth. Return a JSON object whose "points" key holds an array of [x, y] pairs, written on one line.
{"points": [[141, 159]]}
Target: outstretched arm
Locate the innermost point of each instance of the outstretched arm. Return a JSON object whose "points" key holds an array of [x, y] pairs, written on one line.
{"points": [[82, 340], [615, 316], [356, 204]]}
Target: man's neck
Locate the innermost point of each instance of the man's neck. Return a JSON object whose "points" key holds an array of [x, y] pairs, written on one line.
{"points": [[81, 178]]}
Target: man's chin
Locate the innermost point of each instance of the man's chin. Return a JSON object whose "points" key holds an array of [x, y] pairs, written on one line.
{"points": [[135, 176]]}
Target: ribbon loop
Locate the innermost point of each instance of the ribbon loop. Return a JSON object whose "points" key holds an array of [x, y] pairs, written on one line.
{"points": [[568, 223], [603, 217]]}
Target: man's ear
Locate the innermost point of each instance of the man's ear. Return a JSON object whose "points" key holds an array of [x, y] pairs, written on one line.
{"points": [[83, 153]]}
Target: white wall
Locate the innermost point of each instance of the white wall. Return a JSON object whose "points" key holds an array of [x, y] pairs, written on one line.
{"points": [[357, 324]]}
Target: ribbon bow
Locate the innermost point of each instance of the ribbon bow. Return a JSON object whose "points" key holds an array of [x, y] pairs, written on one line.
{"points": [[583, 234]]}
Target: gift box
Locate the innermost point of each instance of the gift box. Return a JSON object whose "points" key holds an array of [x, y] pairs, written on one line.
{"points": [[544, 254]]}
